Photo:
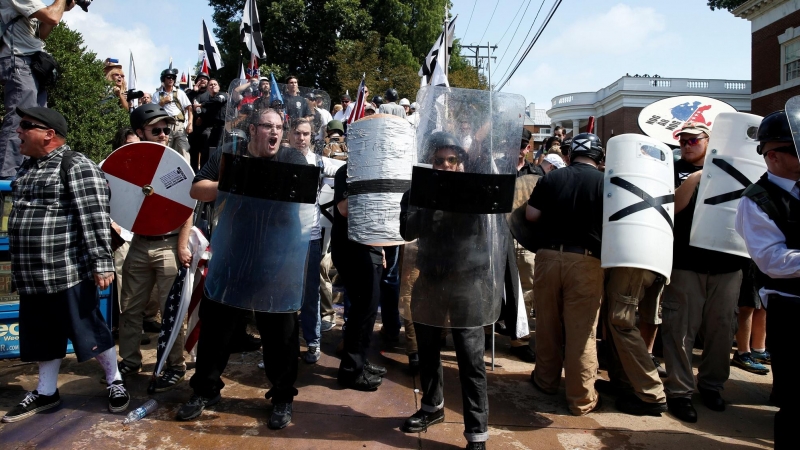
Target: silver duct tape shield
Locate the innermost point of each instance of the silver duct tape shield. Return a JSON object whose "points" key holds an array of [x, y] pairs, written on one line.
{"points": [[260, 251], [793, 113]]}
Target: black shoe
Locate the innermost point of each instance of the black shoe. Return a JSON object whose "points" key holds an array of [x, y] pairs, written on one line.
{"points": [[539, 388], [365, 381], [712, 400], [195, 406], [662, 372], [413, 363], [373, 369], [151, 326], [118, 397], [421, 420], [633, 405], [476, 445], [608, 387], [145, 340], [281, 416], [32, 404], [245, 343], [168, 379], [126, 370], [524, 353], [682, 409]]}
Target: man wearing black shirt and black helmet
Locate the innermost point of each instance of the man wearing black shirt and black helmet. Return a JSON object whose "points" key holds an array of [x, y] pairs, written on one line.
{"points": [[568, 280], [702, 294], [767, 218]]}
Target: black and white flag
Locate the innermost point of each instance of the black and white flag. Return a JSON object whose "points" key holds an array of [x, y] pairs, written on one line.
{"points": [[250, 30], [439, 47], [208, 49]]}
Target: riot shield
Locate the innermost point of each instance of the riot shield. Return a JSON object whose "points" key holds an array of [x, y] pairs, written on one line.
{"points": [[638, 208], [381, 154], [793, 114], [461, 188], [149, 186], [265, 211], [731, 165]]}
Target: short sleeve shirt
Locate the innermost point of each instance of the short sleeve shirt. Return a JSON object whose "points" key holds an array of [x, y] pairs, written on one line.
{"points": [[296, 106], [24, 31], [171, 108]]}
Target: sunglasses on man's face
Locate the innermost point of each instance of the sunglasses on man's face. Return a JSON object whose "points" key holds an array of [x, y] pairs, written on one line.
{"points": [[452, 160], [692, 141], [28, 125], [158, 131]]}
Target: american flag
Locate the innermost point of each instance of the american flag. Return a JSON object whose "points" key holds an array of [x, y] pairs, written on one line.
{"points": [[252, 68], [358, 109], [194, 304]]}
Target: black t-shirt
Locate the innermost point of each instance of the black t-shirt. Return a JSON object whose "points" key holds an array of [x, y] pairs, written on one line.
{"points": [[530, 169], [213, 113], [340, 243], [210, 171], [687, 257], [571, 202], [296, 106]]}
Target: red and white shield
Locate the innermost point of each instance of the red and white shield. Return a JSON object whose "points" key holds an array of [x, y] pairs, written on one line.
{"points": [[149, 188]]}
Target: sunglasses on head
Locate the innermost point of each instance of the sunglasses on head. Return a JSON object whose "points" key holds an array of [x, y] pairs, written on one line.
{"points": [[158, 131], [28, 125], [452, 160], [692, 141]]}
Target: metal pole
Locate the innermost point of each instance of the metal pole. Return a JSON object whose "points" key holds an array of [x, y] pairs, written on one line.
{"points": [[493, 347]]}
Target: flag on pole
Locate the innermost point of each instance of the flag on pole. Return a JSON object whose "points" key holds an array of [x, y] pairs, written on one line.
{"points": [[170, 63], [250, 30], [242, 74], [132, 80], [191, 83], [358, 110], [193, 313], [439, 55], [207, 49], [252, 68], [274, 91], [183, 79]]}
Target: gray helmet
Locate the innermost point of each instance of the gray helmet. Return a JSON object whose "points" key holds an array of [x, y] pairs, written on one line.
{"points": [[588, 145], [147, 114], [442, 139], [391, 95], [165, 72], [377, 100]]}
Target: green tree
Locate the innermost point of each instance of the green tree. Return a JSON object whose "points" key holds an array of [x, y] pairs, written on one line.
{"points": [[81, 95], [730, 5]]}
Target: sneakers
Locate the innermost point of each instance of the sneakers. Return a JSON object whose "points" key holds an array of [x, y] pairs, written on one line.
{"points": [[195, 406], [326, 325], [118, 397], [312, 355], [168, 379], [745, 361], [281, 416], [32, 404], [126, 370], [761, 357], [662, 373], [421, 420]]}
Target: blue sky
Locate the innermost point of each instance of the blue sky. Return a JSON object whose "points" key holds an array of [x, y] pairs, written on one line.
{"points": [[588, 45]]}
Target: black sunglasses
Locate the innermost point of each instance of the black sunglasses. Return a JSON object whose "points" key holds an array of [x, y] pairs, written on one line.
{"points": [[28, 125], [158, 131], [452, 160]]}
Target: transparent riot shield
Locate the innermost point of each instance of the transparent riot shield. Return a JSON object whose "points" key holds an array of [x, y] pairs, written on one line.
{"points": [[305, 97], [265, 212], [454, 214], [793, 113]]}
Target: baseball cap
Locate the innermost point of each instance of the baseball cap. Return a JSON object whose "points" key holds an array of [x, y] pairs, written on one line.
{"points": [[405, 102], [47, 116], [694, 128], [526, 137], [555, 160], [369, 106]]}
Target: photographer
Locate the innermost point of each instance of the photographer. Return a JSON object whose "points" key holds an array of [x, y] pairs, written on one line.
{"points": [[25, 23]]}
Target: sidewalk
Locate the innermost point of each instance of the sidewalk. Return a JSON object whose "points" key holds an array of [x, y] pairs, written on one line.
{"points": [[327, 416]]}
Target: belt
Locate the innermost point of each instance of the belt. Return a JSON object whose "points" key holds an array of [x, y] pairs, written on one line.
{"points": [[572, 249], [163, 237]]}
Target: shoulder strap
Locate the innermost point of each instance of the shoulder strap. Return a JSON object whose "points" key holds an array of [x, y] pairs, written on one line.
{"points": [[5, 26], [760, 197], [66, 165]]}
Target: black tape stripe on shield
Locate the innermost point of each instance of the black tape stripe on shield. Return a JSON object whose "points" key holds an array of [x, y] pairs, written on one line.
{"points": [[738, 176], [469, 193], [269, 180], [647, 202], [323, 209], [378, 187]]}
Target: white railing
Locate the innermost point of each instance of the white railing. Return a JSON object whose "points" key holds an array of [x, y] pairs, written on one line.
{"points": [[697, 84], [661, 83], [735, 85]]}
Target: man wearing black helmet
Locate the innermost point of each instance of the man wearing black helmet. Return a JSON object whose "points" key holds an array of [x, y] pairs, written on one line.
{"points": [[568, 280], [767, 219], [391, 107], [177, 105]]}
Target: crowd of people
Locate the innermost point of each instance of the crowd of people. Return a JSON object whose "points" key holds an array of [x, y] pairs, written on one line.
{"points": [[60, 234]]}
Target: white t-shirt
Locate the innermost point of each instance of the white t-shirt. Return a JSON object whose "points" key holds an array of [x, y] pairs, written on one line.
{"points": [[325, 117], [345, 113], [170, 107], [329, 169], [24, 31]]}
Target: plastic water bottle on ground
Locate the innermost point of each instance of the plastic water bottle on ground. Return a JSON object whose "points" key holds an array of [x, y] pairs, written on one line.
{"points": [[139, 413]]}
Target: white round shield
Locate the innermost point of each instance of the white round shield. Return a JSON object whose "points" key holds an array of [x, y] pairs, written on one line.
{"points": [[149, 188], [663, 119]]}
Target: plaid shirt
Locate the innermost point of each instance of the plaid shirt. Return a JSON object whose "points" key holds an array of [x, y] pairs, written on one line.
{"points": [[58, 236]]}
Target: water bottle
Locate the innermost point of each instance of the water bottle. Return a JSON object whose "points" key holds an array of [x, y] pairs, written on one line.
{"points": [[139, 413]]}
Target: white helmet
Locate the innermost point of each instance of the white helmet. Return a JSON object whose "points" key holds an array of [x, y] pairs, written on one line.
{"points": [[415, 106], [404, 102]]}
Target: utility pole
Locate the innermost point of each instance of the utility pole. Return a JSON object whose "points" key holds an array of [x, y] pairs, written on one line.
{"points": [[479, 55]]}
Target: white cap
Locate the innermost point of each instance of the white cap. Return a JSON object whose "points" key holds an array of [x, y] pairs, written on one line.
{"points": [[404, 102], [555, 160]]}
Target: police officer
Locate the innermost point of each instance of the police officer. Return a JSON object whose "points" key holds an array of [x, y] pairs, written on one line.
{"points": [[568, 280], [767, 219]]}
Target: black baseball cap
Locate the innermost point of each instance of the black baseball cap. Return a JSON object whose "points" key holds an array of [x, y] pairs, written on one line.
{"points": [[526, 137], [47, 116]]}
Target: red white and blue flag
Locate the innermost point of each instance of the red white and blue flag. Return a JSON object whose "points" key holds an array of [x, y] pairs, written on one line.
{"points": [[358, 109]]}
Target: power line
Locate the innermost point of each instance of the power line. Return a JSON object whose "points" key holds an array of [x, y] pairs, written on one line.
{"points": [[470, 17], [533, 42], [490, 22], [515, 31], [515, 15], [523, 41]]}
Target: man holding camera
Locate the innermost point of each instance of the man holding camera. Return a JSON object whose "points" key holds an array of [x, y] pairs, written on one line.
{"points": [[25, 23]]}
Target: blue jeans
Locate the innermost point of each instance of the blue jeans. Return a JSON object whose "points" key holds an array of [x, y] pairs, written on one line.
{"points": [[20, 88], [310, 319], [390, 292]]}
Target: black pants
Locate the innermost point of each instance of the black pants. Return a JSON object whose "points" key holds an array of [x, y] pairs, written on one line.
{"points": [[279, 334], [469, 344], [782, 314], [362, 280]]}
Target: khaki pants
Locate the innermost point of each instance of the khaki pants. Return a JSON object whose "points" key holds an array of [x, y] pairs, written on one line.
{"points": [[407, 280], [149, 264], [569, 289], [631, 360], [152, 308], [525, 262], [325, 288], [698, 303]]}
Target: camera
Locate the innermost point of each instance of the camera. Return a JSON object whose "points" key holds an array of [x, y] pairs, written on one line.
{"points": [[132, 95], [84, 4]]}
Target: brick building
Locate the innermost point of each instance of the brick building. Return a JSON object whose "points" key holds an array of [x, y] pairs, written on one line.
{"points": [[775, 26], [537, 122], [616, 107]]}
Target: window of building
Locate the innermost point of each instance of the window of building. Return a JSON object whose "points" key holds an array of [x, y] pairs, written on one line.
{"points": [[791, 60], [545, 130]]}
